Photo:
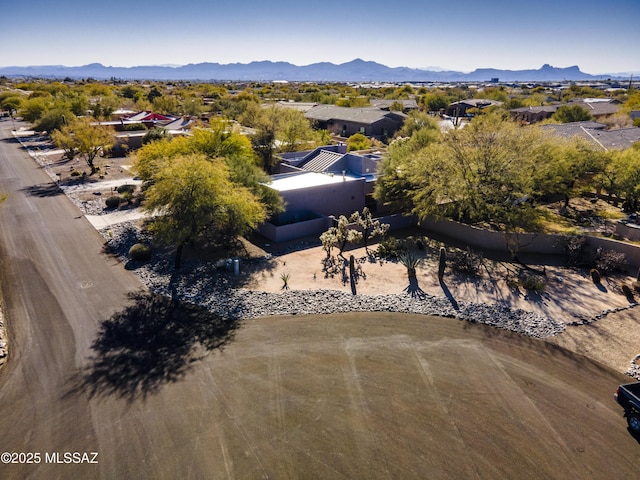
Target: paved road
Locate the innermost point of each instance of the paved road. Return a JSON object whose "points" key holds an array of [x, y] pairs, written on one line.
{"points": [[144, 383]]}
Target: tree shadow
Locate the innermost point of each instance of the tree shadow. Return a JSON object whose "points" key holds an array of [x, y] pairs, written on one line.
{"points": [[43, 190], [414, 289], [152, 342], [449, 295]]}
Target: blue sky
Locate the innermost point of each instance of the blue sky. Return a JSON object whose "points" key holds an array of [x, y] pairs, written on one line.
{"points": [[598, 36]]}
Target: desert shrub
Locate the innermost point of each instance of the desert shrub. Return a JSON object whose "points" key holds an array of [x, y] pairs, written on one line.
{"points": [[533, 283], [126, 188], [609, 261], [75, 173], [466, 261], [390, 247], [576, 250], [113, 201], [127, 197], [140, 251]]}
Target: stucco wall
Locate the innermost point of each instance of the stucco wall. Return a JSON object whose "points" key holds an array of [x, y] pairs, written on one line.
{"points": [[341, 198], [528, 242]]}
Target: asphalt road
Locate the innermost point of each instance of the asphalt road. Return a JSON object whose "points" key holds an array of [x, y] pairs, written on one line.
{"points": [[164, 391]]}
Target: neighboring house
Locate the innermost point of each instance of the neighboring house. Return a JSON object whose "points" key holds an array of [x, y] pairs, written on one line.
{"points": [[319, 184], [407, 105], [179, 126], [344, 121], [530, 115], [459, 109], [149, 119], [300, 106], [595, 133], [598, 108]]}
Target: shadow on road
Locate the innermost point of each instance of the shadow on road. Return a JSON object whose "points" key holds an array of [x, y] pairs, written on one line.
{"points": [[150, 343], [43, 190]]}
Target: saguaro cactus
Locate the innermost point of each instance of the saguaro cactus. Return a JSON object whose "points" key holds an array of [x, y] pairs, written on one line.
{"points": [[442, 263]]}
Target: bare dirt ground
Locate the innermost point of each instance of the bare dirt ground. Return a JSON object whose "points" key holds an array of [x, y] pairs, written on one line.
{"points": [[570, 295]]}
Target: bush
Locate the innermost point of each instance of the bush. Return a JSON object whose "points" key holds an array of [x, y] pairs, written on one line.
{"points": [[140, 252], [75, 173], [390, 247], [126, 188], [533, 283], [467, 262], [576, 250], [113, 201], [608, 261]]}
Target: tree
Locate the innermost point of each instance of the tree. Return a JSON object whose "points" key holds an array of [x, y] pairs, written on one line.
{"points": [[479, 173], [154, 134], [64, 139], [358, 141], [87, 139], [626, 165], [54, 119], [571, 113], [195, 200], [220, 140]]}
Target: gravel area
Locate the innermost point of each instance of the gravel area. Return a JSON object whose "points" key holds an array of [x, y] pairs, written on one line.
{"points": [[208, 285]]}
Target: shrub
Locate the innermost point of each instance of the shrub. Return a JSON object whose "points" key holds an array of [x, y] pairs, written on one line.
{"points": [[140, 251], [390, 247], [126, 188], [467, 262], [608, 261], [576, 250], [75, 173], [595, 276], [113, 201], [533, 283]]}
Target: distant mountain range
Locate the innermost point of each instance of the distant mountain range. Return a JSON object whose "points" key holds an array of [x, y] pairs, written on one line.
{"points": [[355, 71]]}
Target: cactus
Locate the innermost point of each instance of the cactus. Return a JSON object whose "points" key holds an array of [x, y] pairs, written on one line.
{"points": [[595, 276], [627, 292], [442, 263]]}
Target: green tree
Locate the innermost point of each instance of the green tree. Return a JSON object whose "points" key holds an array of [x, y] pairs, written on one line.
{"points": [[571, 113], [479, 173], [88, 138], [220, 140], [33, 108], [64, 139], [154, 134], [358, 141], [195, 200], [54, 119]]}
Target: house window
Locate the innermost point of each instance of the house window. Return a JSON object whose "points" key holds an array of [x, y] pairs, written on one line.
{"points": [[362, 130]]}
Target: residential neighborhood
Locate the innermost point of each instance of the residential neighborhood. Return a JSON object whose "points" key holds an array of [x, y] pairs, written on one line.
{"points": [[190, 247]]}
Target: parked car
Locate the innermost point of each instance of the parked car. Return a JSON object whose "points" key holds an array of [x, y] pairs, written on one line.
{"points": [[628, 396]]}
